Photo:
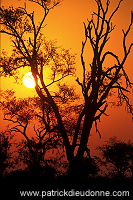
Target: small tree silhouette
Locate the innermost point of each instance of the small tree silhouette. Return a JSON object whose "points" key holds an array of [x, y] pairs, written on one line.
{"points": [[117, 156], [24, 113], [5, 152], [98, 81], [32, 114]]}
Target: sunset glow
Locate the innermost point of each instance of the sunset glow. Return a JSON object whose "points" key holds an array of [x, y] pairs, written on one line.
{"points": [[66, 108]]}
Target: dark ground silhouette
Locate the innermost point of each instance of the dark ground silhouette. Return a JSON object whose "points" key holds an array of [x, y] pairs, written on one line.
{"points": [[22, 181]]}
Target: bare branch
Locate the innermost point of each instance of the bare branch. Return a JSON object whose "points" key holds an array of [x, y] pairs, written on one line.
{"points": [[101, 113], [82, 60], [112, 54], [125, 36], [115, 10], [96, 126], [55, 81], [120, 87]]}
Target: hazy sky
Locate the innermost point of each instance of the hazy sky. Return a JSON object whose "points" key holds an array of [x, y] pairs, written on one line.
{"points": [[65, 24]]}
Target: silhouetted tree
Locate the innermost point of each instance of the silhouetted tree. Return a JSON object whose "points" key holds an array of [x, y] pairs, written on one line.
{"points": [[28, 113], [5, 152], [99, 79], [117, 157], [36, 123]]}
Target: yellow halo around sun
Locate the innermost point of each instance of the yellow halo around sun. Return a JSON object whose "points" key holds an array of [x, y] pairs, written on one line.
{"points": [[28, 80]]}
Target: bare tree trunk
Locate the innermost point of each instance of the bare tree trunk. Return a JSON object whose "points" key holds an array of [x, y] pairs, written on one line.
{"points": [[76, 166]]}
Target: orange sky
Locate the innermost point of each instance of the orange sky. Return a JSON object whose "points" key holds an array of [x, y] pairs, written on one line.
{"points": [[65, 23]]}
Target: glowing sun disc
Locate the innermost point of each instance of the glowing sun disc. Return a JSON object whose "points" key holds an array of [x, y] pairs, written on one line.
{"points": [[28, 80]]}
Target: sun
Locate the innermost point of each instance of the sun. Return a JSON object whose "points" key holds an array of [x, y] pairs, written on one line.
{"points": [[28, 80]]}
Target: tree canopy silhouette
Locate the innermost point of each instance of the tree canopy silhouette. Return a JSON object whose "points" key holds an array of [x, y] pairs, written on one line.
{"points": [[117, 156], [34, 122], [5, 152], [99, 79]]}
